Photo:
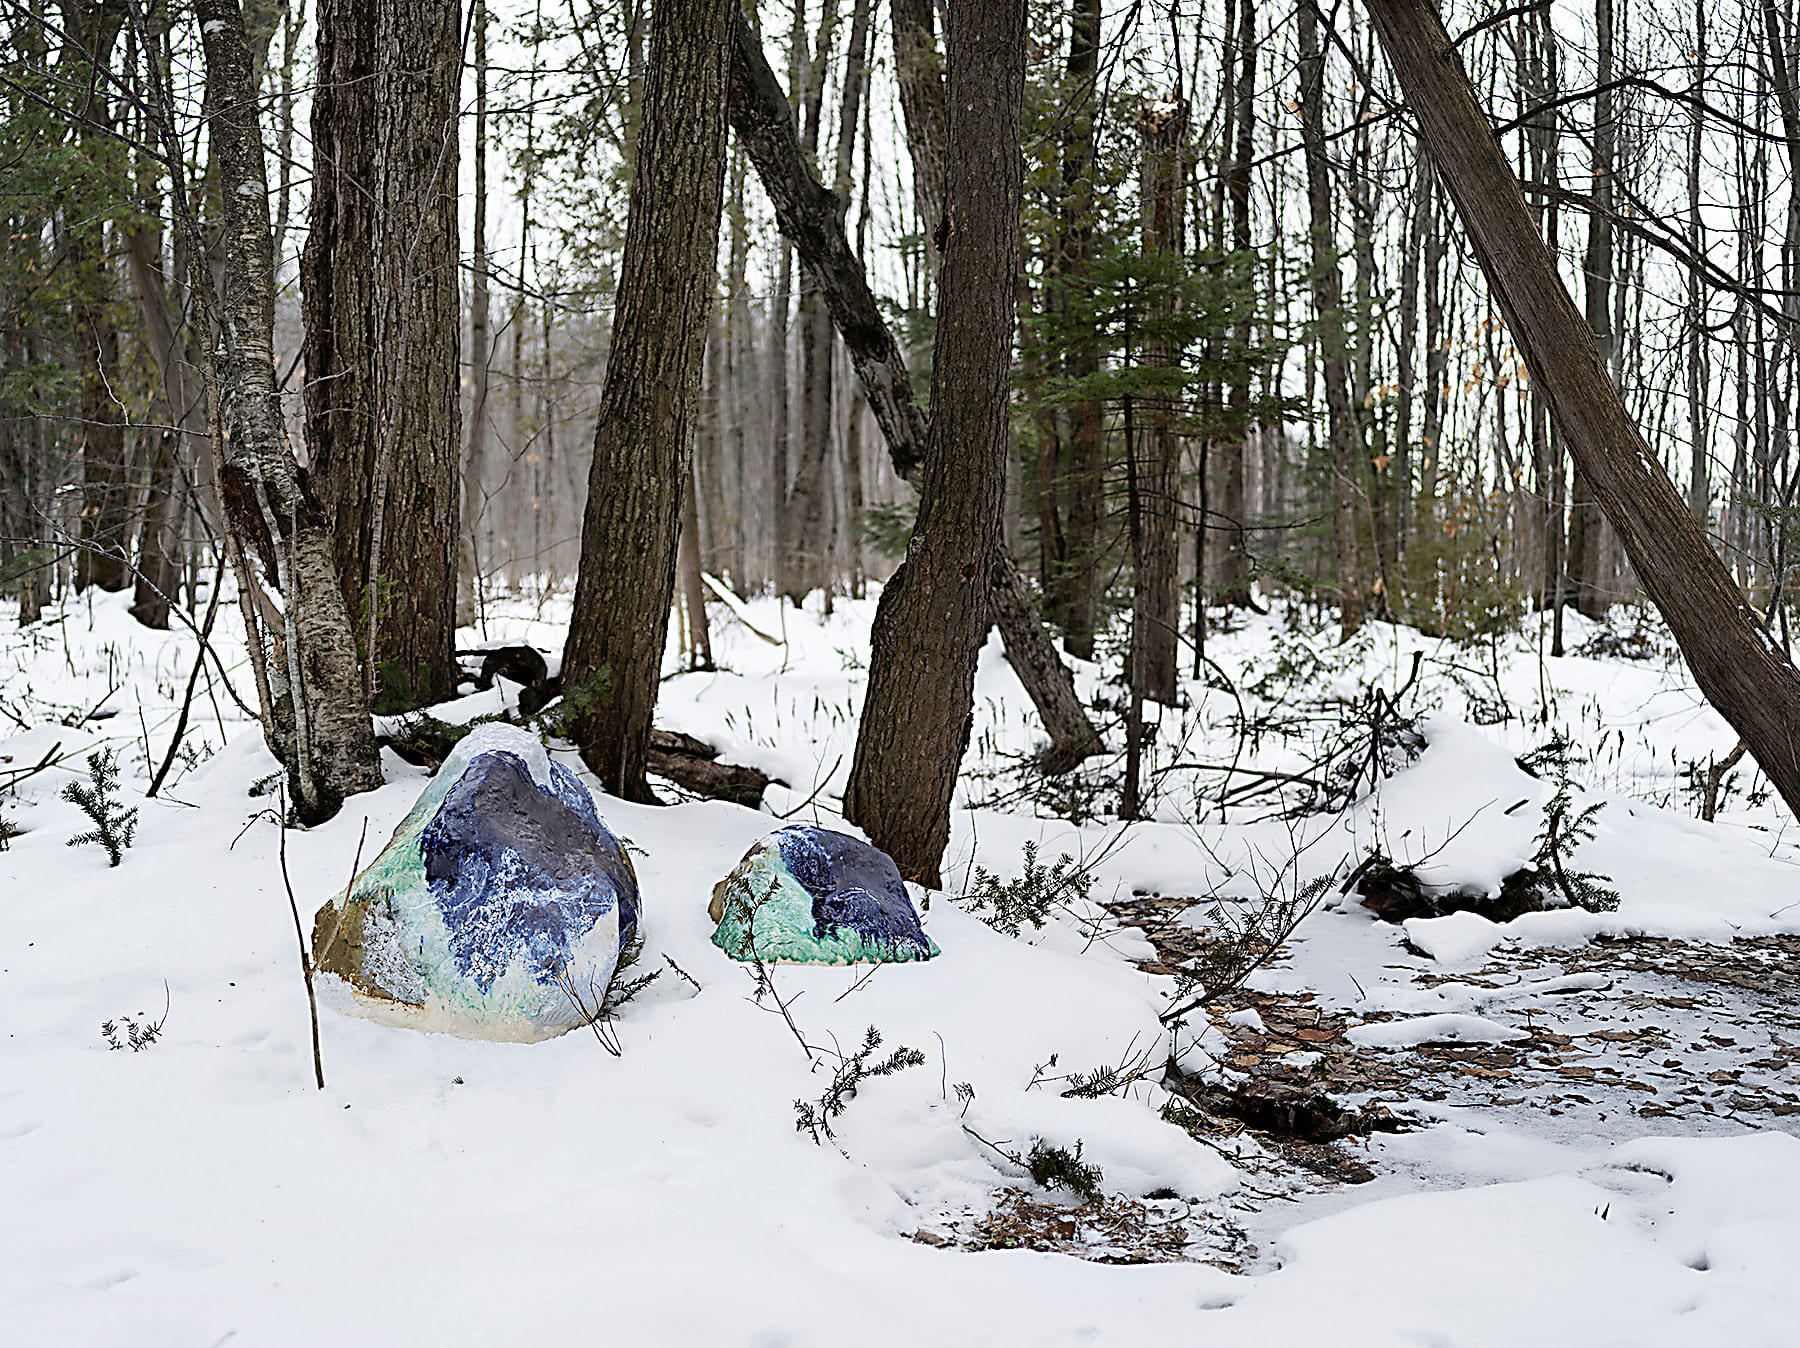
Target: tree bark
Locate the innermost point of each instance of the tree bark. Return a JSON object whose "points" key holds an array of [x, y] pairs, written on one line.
{"points": [[807, 215], [1738, 668], [315, 713], [383, 326], [933, 614], [644, 440]]}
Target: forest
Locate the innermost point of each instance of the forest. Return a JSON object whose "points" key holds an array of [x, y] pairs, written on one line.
{"points": [[1243, 547]]}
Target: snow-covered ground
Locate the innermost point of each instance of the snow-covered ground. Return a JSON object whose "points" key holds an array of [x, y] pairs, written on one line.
{"points": [[446, 1191]]}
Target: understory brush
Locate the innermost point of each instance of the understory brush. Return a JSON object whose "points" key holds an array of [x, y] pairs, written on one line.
{"points": [[1007, 905], [852, 1070], [1244, 931]]}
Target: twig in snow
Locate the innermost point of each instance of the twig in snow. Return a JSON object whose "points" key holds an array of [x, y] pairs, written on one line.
{"points": [[306, 972]]}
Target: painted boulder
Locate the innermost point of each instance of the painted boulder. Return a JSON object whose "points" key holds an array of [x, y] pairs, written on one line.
{"points": [[806, 895], [498, 910]]}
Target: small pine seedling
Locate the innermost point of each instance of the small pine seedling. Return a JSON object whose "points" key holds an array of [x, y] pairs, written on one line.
{"points": [[1055, 1167], [1566, 829], [113, 826]]}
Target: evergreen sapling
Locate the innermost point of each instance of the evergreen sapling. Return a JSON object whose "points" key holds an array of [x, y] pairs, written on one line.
{"points": [[113, 825]]}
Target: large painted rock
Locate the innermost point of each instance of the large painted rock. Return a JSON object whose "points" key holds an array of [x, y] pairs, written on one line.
{"points": [[499, 909], [806, 895]]}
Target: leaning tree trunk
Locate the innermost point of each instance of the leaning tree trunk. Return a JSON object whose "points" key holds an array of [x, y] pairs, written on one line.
{"points": [[1739, 669], [383, 326], [644, 440], [1327, 288], [807, 214], [933, 614], [315, 715]]}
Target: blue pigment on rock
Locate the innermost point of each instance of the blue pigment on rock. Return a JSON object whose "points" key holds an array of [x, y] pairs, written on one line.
{"points": [[516, 867]]}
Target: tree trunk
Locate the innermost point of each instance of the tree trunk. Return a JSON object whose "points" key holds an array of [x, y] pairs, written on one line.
{"points": [[1345, 433], [1740, 671], [468, 570], [159, 554], [1231, 585], [1156, 556], [807, 215], [698, 642], [93, 30], [1597, 264], [933, 614], [644, 439], [920, 77], [383, 327], [1699, 414], [314, 711], [1085, 470], [741, 383]]}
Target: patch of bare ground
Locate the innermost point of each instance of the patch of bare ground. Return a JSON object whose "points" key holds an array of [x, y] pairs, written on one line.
{"points": [[1619, 1037]]}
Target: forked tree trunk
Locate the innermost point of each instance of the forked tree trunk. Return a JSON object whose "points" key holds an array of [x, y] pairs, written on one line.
{"points": [[1739, 669], [315, 714], [383, 326], [159, 553], [644, 440], [807, 214], [933, 615]]}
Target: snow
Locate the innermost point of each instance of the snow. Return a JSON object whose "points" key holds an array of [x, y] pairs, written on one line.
{"points": [[444, 1190], [1442, 1028]]}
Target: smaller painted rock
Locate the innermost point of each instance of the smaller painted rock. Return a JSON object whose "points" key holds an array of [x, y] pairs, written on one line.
{"points": [[806, 895], [499, 894]]}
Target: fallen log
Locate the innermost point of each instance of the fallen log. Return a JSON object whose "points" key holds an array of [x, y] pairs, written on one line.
{"points": [[694, 765]]}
